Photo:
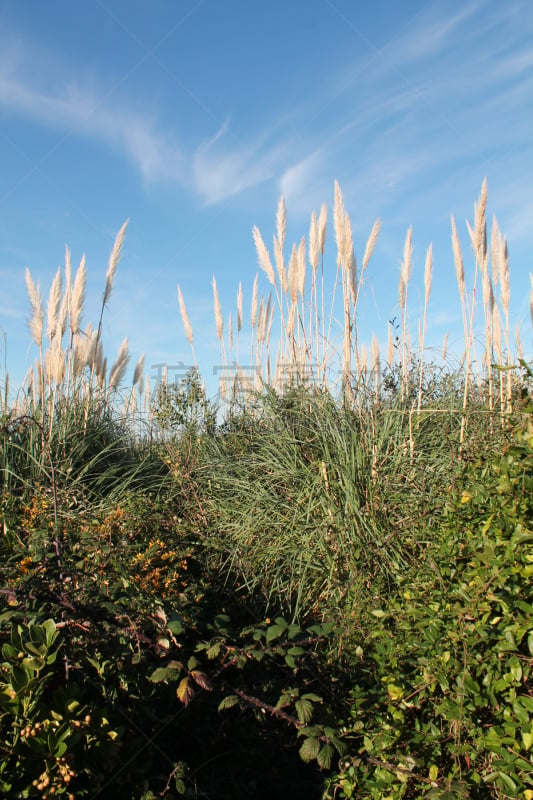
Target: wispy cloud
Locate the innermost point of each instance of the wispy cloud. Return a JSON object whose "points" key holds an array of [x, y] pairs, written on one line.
{"points": [[222, 167], [84, 113], [215, 169], [411, 107]]}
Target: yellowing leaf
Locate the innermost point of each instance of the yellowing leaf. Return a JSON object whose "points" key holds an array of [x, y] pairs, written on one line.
{"points": [[465, 498], [433, 772], [527, 739], [185, 691], [394, 692]]}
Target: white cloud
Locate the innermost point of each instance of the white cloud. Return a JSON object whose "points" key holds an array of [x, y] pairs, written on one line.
{"points": [[296, 181], [83, 113], [222, 168]]}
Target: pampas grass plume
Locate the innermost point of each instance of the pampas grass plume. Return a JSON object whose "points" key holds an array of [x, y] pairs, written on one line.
{"points": [[253, 311], [114, 258], [371, 243], [239, 308], [185, 317], [281, 222], [301, 267], [78, 297], [458, 260], [37, 317], [52, 309], [293, 275], [263, 256], [138, 372], [322, 222], [119, 367], [219, 321], [314, 242], [428, 273]]}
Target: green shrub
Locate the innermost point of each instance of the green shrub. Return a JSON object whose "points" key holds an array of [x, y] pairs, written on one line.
{"points": [[441, 703]]}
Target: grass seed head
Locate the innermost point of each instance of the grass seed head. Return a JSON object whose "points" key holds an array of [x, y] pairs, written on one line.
{"points": [[185, 317]]}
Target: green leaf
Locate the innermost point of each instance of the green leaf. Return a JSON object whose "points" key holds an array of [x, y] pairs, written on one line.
{"points": [[8, 651], [296, 651], [304, 710], [175, 626], [273, 631], [213, 651], [309, 750], [161, 674], [508, 782], [228, 702], [325, 756], [50, 631]]}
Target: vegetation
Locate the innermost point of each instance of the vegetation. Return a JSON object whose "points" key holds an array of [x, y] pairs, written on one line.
{"points": [[320, 590]]}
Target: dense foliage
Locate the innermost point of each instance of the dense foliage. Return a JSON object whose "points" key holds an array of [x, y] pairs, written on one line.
{"points": [[297, 605]]}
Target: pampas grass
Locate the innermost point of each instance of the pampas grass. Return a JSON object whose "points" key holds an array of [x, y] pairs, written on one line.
{"points": [[317, 339]]}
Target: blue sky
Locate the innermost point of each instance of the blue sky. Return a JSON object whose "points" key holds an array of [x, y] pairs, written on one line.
{"points": [[192, 117]]}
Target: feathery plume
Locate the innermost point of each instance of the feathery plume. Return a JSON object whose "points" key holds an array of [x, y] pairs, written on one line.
{"points": [[260, 315], [519, 348], [494, 248], [78, 297], [138, 372], [119, 367], [401, 292], [219, 321], [37, 317], [445, 347], [339, 222], [100, 363], [428, 273], [184, 316], [239, 308], [263, 256], [52, 308], [488, 295], [264, 320], [253, 312], [114, 258], [480, 230], [348, 258], [376, 359], [407, 258], [458, 259], [314, 243], [322, 221], [269, 325], [390, 345], [280, 264], [281, 222], [364, 358], [371, 243], [293, 275], [505, 278], [301, 267]]}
